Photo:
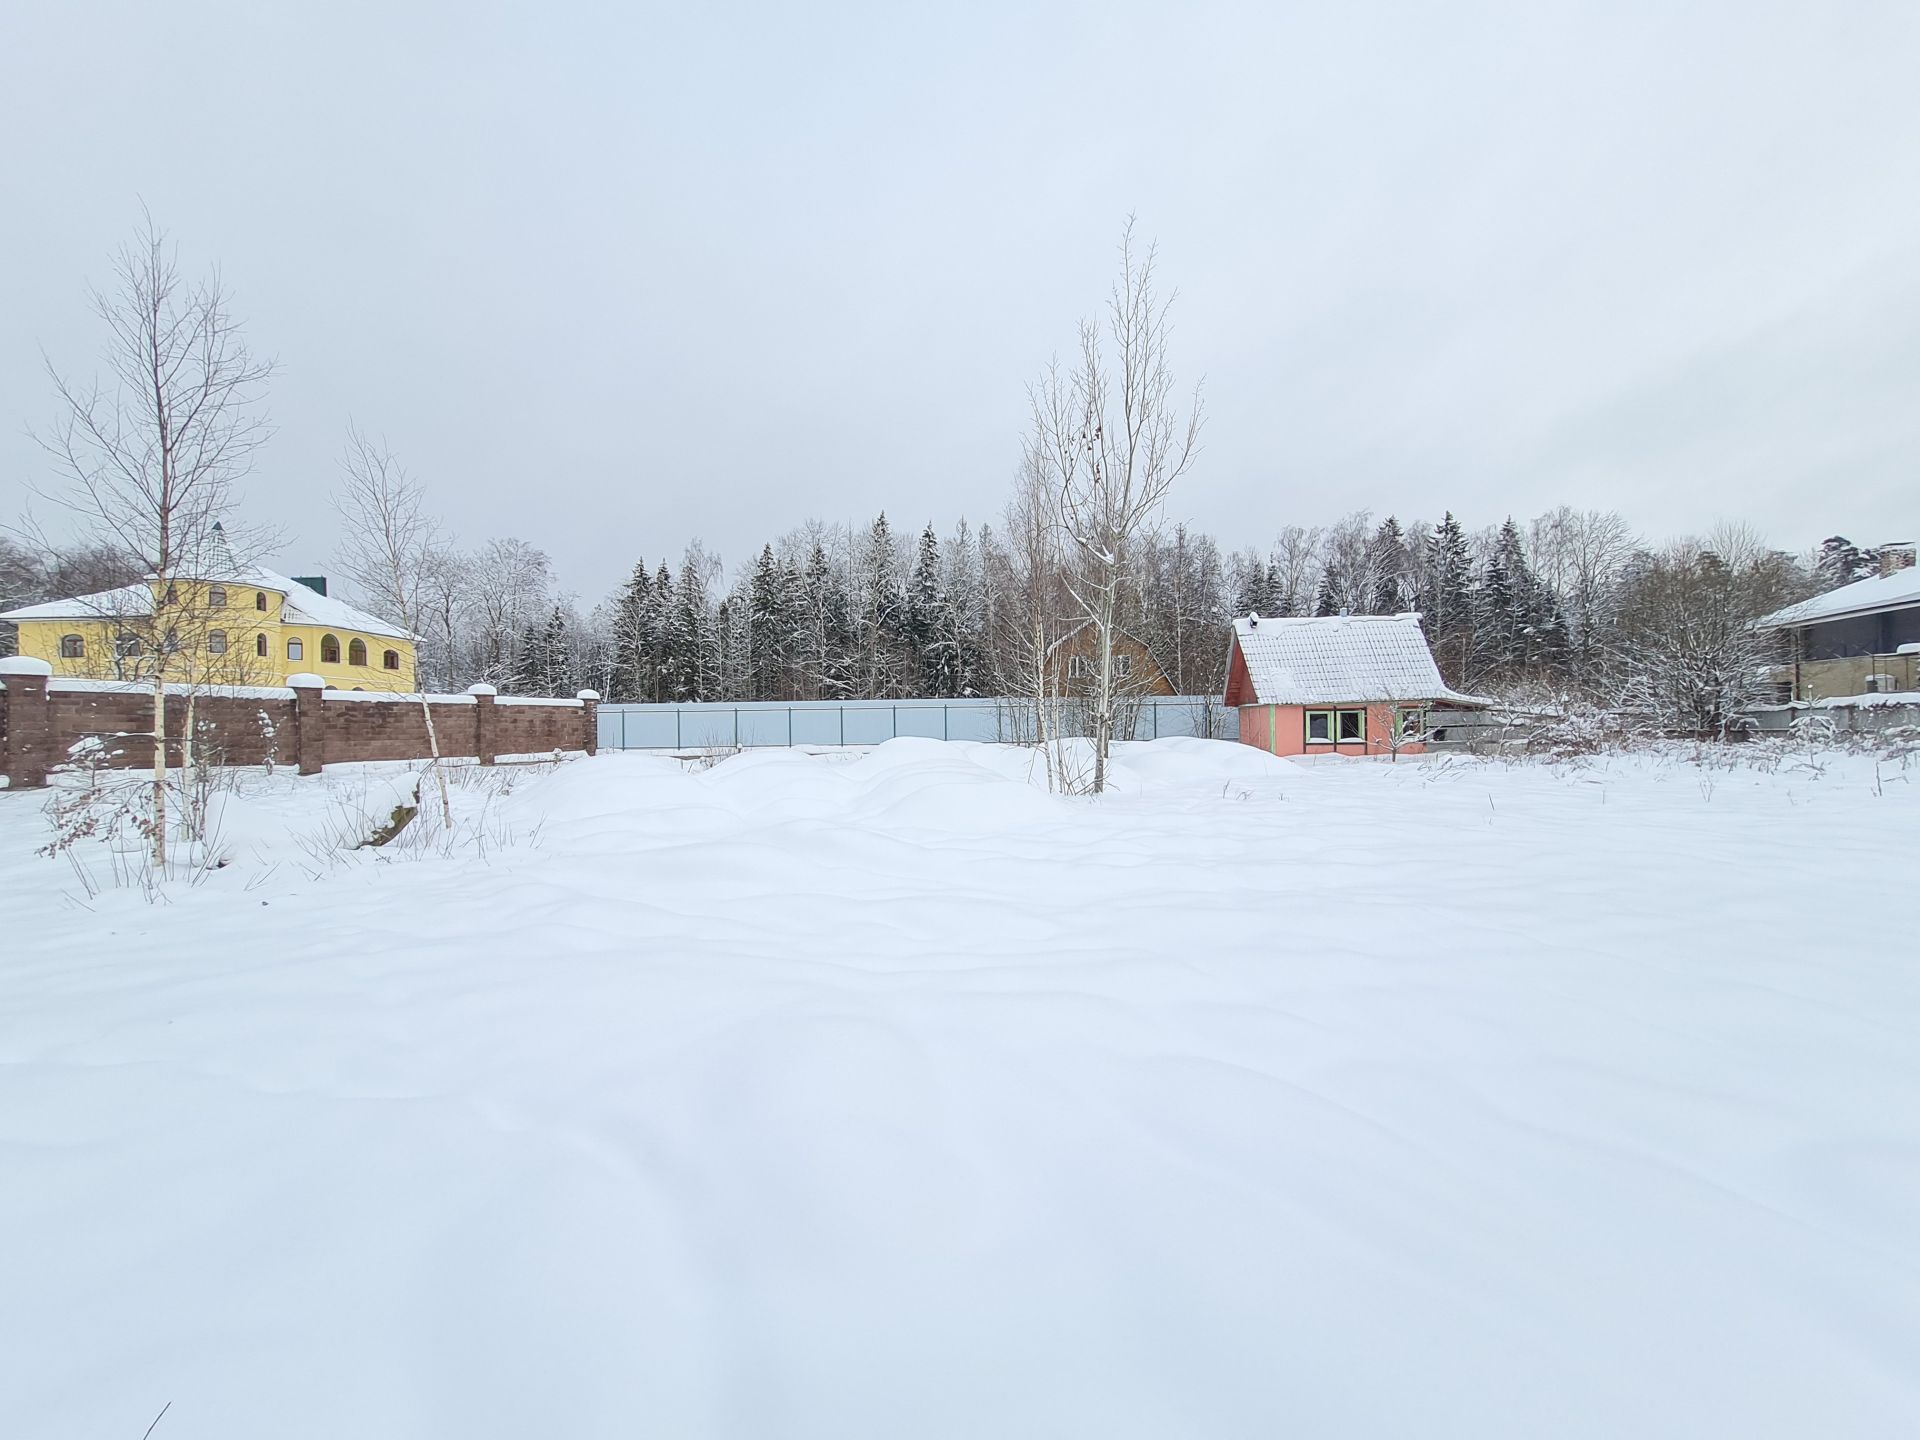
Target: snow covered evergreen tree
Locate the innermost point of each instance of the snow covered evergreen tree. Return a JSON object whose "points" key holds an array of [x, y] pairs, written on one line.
{"points": [[929, 630], [557, 675], [631, 642], [1327, 599], [1392, 590], [1249, 584], [827, 646], [882, 602], [689, 647], [1841, 562], [1448, 605], [768, 631]]}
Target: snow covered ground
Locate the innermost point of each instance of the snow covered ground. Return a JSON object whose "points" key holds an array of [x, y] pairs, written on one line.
{"points": [[891, 1096]]}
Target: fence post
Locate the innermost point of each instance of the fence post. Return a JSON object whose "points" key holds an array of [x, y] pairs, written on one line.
{"points": [[483, 722], [946, 726], [590, 704], [26, 740], [678, 743], [309, 721], [736, 727]]}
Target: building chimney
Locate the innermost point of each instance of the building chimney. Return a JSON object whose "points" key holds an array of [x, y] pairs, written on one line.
{"points": [[315, 583], [1895, 556]]}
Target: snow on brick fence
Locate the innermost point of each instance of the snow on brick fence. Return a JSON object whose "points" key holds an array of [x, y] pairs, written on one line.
{"points": [[301, 724]]}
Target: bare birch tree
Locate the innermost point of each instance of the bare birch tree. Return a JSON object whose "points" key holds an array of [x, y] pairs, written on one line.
{"points": [[149, 457], [387, 549], [1109, 441], [1024, 570]]}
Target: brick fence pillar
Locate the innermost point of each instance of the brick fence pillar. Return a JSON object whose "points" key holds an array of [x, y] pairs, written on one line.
{"points": [[483, 722], [28, 747], [590, 709], [309, 722]]}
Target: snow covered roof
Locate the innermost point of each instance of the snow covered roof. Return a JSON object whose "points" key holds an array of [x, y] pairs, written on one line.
{"points": [[306, 606], [101, 605], [303, 606], [1333, 659], [1863, 597]]}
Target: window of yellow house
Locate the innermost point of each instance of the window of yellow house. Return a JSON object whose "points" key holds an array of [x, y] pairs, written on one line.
{"points": [[217, 596], [260, 646], [390, 659], [73, 647], [295, 650], [127, 646], [173, 595], [329, 649], [357, 652], [259, 599], [216, 642]]}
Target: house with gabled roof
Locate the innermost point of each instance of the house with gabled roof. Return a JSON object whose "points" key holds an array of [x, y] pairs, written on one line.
{"points": [[234, 625], [1861, 639], [1335, 684], [1073, 664]]}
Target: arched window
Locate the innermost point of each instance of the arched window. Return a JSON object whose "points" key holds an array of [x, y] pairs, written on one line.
{"points": [[73, 647], [259, 599], [356, 652], [217, 596], [260, 646], [295, 650], [173, 595], [329, 649], [216, 642], [390, 659]]}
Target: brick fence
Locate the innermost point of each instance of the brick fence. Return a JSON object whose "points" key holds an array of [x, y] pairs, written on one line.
{"points": [[303, 725]]}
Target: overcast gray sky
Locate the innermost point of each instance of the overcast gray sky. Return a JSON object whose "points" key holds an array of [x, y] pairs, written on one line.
{"points": [[609, 276]]}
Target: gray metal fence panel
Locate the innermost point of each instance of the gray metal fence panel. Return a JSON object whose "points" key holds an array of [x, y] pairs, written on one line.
{"points": [[767, 723]]}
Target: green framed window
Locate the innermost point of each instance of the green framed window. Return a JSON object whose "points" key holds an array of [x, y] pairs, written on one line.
{"points": [[1410, 723], [1337, 727]]}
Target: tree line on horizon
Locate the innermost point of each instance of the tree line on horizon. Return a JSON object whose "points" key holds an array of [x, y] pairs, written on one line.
{"points": [[1565, 603], [1557, 604]]}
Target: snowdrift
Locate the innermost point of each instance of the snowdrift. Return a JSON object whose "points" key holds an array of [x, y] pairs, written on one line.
{"points": [[890, 1094]]}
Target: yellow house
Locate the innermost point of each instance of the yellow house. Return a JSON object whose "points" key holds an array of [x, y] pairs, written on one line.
{"points": [[253, 628]]}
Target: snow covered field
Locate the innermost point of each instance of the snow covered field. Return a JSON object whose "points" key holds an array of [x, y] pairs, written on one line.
{"points": [[891, 1096]]}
